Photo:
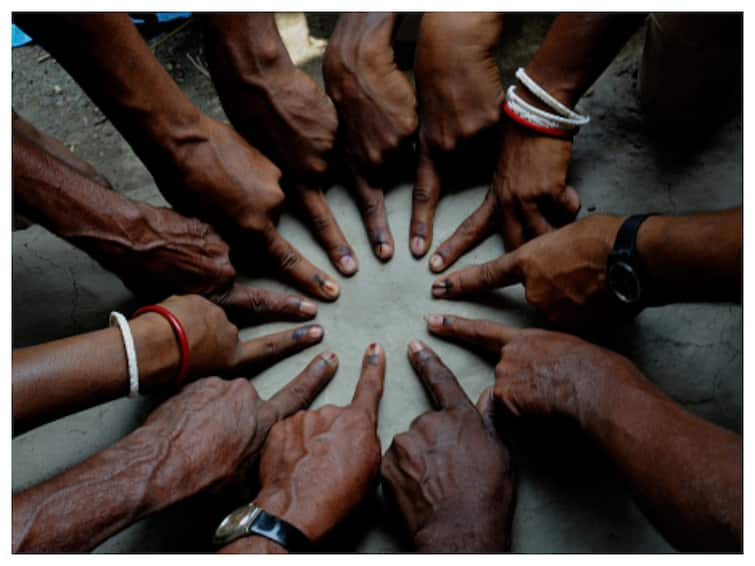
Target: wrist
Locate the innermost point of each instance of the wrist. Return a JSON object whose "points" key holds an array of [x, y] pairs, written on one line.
{"points": [[479, 534], [359, 39], [561, 87], [253, 544], [279, 503], [157, 352]]}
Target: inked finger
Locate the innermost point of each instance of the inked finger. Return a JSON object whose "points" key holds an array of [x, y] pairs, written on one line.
{"points": [[424, 202], [300, 392], [438, 380], [266, 350], [477, 227], [327, 231], [244, 303], [500, 272], [369, 388], [298, 270], [372, 205], [485, 334]]}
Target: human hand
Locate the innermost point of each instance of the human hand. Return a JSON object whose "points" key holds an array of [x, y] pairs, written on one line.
{"points": [[563, 273], [377, 111], [317, 466], [214, 344], [216, 176], [450, 475], [213, 428], [460, 96], [543, 373], [282, 112], [529, 196]]}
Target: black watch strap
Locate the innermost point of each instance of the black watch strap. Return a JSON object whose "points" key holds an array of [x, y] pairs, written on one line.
{"points": [[626, 237], [279, 531]]}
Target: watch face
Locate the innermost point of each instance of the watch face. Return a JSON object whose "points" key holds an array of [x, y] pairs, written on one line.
{"points": [[236, 524], [624, 282]]}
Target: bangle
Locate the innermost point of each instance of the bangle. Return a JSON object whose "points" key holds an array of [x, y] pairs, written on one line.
{"points": [[549, 100], [180, 333], [542, 117], [548, 131], [117, 318]]}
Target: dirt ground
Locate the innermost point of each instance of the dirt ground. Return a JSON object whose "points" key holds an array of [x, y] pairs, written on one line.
{"points": [[570, 499]]}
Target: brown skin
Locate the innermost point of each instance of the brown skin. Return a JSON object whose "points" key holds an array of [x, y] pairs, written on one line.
{"points": [[450, 474], [281, 111], [196, 440], [317, 466], [202, 167], [685, 472], [460, 96], [64, 376], [155, 251], [529, 195], [376, 108], [564, 272]]}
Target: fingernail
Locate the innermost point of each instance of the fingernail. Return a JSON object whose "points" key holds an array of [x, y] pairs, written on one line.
{"points": [[308, 308], [418, 245], [384, 251], [374, 348], [347, 263], [415, 346], [435, 321], [440, 287], [316, 332], [330, 357], [331, 288], [436, 262]]}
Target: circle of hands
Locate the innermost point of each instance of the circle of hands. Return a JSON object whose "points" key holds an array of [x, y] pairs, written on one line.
{"points": [[227, 186]]}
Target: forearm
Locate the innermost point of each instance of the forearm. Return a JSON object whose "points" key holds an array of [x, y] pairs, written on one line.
{"points": [[686, 473], [65, 376], [82, 507], [109, 59], [693, 258], [576, 51]]}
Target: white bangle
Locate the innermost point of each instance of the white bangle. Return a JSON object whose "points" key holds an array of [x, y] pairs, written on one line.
{"points": [[547, 119], [543, 95], [128, 343]]}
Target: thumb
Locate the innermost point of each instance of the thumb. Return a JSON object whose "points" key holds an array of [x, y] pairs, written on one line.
{"points": [[487, 409]]}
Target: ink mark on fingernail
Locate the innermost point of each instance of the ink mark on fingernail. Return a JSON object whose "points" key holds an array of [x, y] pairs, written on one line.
{"points": [[373, 359], [299, 333], [446, 321], [379, 238], [420, 229], [318, 279]]}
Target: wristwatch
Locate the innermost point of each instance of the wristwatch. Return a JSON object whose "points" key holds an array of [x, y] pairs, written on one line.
{"points": [[624, 277], [252, 520]]}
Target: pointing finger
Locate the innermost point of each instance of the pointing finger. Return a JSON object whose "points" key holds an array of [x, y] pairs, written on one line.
{"points": [[500, 272], [266, 350], [424, 202], [438, 380], [372, 204], [259, 305], [369, 389], [486, 334]]}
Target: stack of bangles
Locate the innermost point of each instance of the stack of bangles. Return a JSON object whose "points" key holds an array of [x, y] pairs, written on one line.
{"points": [[128, 343], [562, 122]]}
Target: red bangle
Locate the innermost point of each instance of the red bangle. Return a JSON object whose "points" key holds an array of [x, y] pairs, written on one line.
{"points": [[180, 333], [553, 132]]}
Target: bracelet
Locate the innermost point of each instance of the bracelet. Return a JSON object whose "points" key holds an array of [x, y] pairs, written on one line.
{"points": [[549, 100], [548, 131], [543, 117], [128, 343], [180, 333]]}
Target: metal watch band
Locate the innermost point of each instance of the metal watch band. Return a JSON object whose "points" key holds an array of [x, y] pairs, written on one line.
{"points": [[252, 520], [626, 238]]}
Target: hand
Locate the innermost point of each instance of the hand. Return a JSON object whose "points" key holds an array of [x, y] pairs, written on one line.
{"points": [[212, 428], [377, 111], [215, 175], [317, 466], [281, 111], [214, 344], [450, 474], [460, 97], [563, 273], [529, 196], [543, 373]]}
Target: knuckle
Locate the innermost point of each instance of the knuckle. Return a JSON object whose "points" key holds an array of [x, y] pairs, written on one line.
{"points": [[320, 222], [486, 275], [422, 195], [289, 261]]}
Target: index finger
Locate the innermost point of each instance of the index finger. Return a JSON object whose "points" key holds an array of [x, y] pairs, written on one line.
{"points": [[369, 389], [486, 334], [500, 272], [439, 381], [425, 199], [299, 392]]}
